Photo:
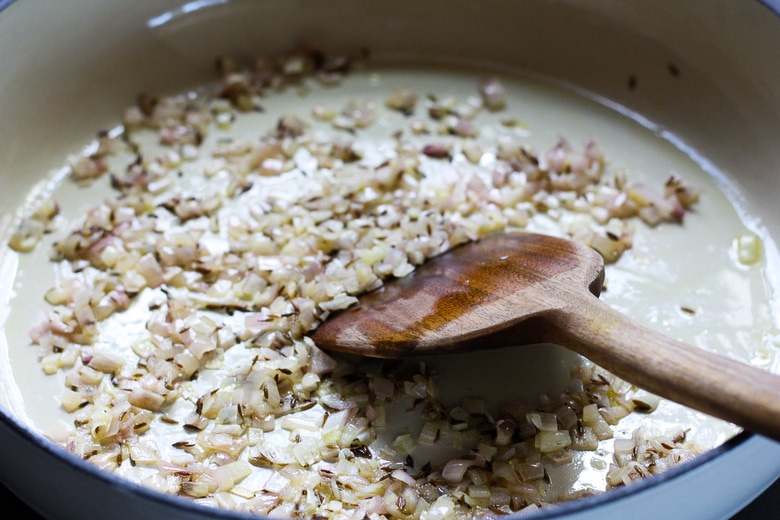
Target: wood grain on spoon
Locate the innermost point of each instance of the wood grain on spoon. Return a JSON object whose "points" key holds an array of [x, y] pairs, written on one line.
{"points": [[520, 289]]}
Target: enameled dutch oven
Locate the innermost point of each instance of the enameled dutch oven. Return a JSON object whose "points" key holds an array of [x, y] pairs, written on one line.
{"points": [[69, 67]]}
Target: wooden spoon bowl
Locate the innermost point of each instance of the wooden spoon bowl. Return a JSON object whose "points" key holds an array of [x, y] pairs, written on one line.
{"points": [[519, 289]]}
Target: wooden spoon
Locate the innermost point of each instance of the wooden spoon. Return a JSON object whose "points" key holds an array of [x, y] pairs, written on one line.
{"points": [[521, 289]]}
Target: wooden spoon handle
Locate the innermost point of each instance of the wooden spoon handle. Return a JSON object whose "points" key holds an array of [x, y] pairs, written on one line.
{"points": [[719, 386]]}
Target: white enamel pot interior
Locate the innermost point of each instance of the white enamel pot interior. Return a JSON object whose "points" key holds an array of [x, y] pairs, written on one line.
{"points": [[69, 68]]}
